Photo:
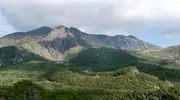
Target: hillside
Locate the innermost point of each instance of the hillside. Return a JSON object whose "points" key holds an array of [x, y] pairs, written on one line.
{"points": [[87, 73], [92, 59], [47, 53], [167, 57], [102, 58], [71, 84], [65, 63], [63, 38], [12, 55], [17, 37]]}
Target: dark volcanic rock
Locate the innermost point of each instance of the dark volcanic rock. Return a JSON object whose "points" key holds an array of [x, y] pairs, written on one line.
{"points": [[62, 39], [35, 35]]}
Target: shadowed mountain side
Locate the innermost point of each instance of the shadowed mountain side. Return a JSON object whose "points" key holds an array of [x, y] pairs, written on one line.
{"points": [[63, 38], [12, 55]]}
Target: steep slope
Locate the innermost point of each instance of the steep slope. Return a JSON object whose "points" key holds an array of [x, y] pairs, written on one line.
{"points": [[14, 55], [47, 53], [63, 38], [18, 37], [60, 39], [168, 57], [130, 43], [102, 59], [73, 52]]}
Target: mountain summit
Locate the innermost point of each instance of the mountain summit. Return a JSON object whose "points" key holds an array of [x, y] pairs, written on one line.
{"points": [[63, 38], [59, 32]]}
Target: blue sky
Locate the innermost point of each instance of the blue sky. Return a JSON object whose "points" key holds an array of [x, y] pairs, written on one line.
{"points": [[157, 39], [154, 21]]}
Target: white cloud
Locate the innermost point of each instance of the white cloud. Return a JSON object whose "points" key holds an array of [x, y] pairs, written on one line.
{"points": [[5, 28], [96, 16], [154, 9]]}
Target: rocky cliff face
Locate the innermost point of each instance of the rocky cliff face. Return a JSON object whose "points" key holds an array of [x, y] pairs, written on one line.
{"points": [[129, 43], [62, 39]]}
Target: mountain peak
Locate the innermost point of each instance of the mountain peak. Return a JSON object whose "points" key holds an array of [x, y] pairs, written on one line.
{"points": [[59, 32], [43, 27], [70, 37], [133, 37], [60, 26], [120, 36]]}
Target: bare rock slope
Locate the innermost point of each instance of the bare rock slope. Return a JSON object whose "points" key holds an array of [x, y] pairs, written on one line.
{"points": [[54, 43]]}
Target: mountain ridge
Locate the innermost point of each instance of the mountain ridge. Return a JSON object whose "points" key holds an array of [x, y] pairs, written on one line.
{"points": [[73, 37], [168, 57], [17, 37]]}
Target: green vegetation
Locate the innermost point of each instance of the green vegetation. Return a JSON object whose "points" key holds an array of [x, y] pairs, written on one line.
{"points": [[12, 55], [168, 57], [59, 83], [26, 90], [73, 52], [86, 74], [159, 71], [126, 82], [37, 49], [103, 59]]}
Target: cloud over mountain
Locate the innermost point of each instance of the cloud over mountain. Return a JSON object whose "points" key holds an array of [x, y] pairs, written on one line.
{"points": [[95, 16]]}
